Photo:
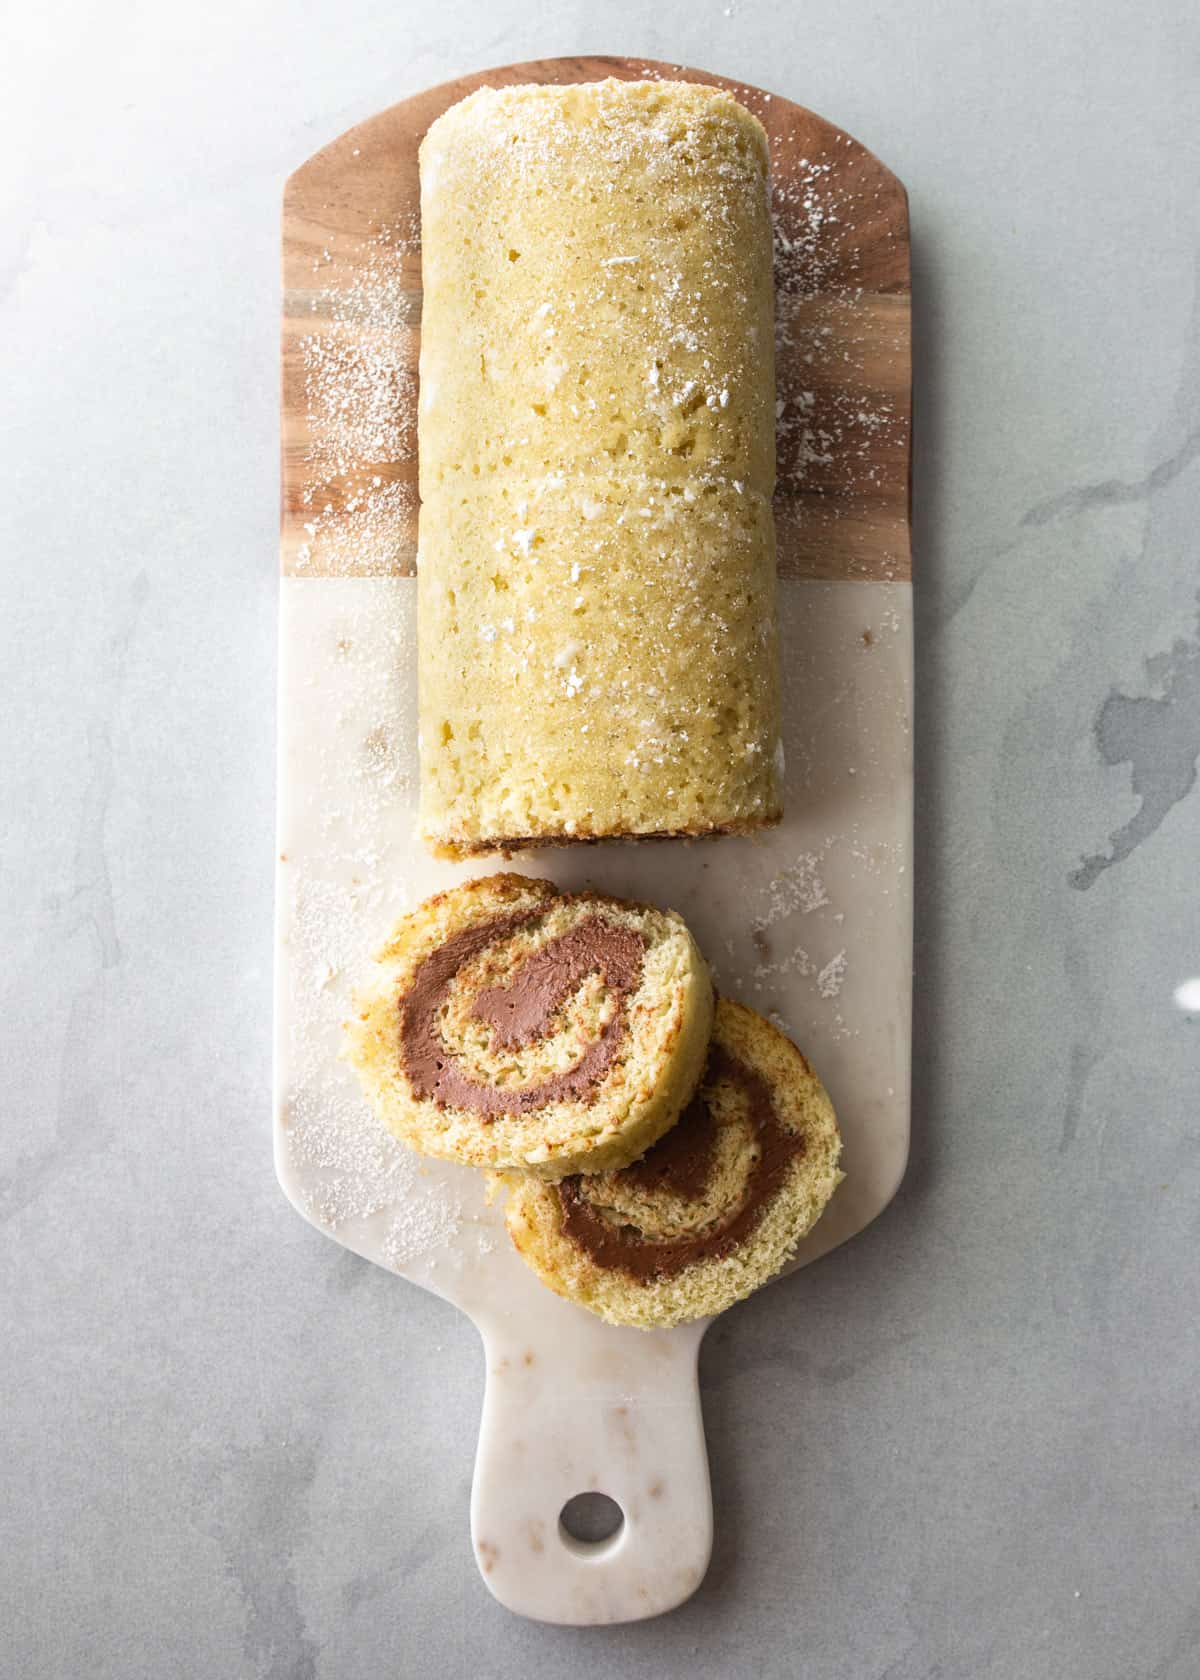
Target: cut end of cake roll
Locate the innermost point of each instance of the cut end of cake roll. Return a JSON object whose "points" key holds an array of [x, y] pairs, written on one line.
{"points": [[596, 576], [457, 848], [709, 1213], [509, 1026]]}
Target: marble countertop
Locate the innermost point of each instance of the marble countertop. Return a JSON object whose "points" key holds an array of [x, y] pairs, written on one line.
{"points": [[963, 1446]]}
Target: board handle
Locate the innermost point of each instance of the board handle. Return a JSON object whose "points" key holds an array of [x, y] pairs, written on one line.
{"points": [[591, 1409]]}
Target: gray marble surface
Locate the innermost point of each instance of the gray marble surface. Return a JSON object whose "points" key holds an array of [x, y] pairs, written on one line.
{"points": [[965, 1446]]}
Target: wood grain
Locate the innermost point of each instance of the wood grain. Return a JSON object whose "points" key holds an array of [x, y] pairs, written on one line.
{"points": [[351, 334]]}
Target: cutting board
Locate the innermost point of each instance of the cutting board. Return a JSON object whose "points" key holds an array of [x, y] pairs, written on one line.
{"points": [[810, 924]]}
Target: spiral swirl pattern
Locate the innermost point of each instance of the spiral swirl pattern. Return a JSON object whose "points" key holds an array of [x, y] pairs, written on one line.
{"points": [[510, 1025], [712, 1210]]}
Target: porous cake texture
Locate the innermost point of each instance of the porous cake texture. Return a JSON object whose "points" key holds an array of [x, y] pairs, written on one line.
{"points": [[596, 571]]}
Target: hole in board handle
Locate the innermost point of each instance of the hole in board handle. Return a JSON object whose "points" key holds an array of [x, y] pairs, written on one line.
{"points": [[590, 1523]]}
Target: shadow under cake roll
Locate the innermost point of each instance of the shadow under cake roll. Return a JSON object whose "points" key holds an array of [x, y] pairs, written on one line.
{"points": [[596, 567], [509, 1025], [709, 1213]]}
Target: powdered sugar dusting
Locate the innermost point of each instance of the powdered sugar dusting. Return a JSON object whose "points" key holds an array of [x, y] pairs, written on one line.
{"points": [[350, 1165], [424, 1222], [797, 961], [826, 414], [342, 894], [829, 980], [797, 891], [359, 501], [808, 206], [798, 888]]}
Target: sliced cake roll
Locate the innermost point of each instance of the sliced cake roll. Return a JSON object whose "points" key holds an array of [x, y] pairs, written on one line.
{"points": [[511, 1026], [709, 1213]]}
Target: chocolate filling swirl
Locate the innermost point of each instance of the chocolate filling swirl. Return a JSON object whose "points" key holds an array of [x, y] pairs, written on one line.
{"points": [[681, 1164], [520, 1011]]}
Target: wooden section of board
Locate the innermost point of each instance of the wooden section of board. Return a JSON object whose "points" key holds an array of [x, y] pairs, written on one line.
{"points": [[351, 334]]}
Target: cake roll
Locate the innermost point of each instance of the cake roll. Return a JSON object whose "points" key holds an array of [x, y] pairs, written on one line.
{"points": [[713, 1210], [507, 1025], [596, 568]]}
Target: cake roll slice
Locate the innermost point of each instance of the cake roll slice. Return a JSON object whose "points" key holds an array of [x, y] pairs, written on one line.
{"points": [[713, 1210], [597, 634], [510, 1026]]}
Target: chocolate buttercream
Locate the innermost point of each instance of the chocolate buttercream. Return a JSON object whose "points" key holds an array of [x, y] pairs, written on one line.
{"points": [[520, 1011], [681, 1163]]}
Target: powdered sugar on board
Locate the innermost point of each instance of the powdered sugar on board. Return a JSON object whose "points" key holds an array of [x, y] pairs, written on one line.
{"points": [[831, 424], [358, 504], [350, 741], [798, 887]]}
